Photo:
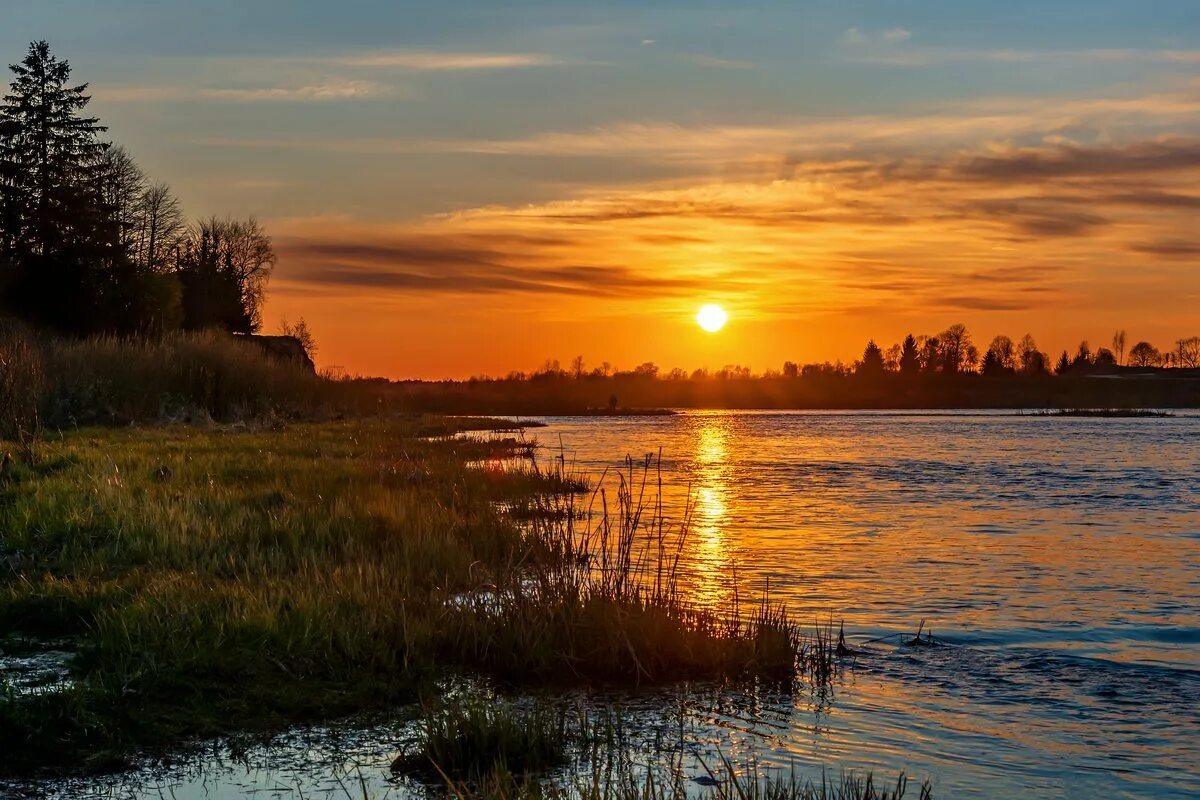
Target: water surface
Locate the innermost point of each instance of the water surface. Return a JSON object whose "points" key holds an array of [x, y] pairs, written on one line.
{"points": [[1059, 558]]}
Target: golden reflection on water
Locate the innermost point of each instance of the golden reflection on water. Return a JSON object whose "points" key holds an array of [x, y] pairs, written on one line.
{"points": [[713, 583]]}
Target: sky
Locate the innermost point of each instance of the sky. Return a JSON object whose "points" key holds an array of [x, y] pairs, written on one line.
{"points": [[466, 188]]}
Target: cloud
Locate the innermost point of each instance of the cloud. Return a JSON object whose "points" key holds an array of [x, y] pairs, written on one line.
{"points": [[854, 36], [933, 56], [1173, 248], [319, 92], [857, 37], [1039, 218], [322, 91], [997, 230], [434, 61], [455, 263], [1068, 160], [718, 63]]}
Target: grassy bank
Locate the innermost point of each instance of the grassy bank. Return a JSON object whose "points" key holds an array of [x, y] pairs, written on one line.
{"points": [[50, 383], [217, 579]]}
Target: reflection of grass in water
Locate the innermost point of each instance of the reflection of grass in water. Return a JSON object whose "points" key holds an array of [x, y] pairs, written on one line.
{"points": [[478, 749]]}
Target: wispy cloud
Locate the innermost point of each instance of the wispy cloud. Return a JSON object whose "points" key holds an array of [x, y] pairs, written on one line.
{"points": [[718, 63], [945, 128], [318, 92], [462, 263], [926, 56], [857, 37], [435, 61], [322, 91], [1000, 229]]}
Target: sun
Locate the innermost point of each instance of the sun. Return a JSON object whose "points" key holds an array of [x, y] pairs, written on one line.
{"points": [[712, 318]]}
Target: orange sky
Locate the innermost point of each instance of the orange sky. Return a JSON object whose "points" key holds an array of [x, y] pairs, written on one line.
{"points": [[473, 188], [1063, 240]]}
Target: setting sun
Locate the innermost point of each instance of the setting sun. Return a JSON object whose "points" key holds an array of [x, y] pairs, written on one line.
{"points": [[712, 318]]}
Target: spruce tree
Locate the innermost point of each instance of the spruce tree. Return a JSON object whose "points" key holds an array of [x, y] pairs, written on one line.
{"points": [[54, 231]]}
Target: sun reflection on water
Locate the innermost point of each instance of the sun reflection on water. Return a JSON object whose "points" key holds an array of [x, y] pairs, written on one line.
{"points": [[713, 584]]}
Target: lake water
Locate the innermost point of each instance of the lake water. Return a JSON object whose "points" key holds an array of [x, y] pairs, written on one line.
{"points": [[1058, 559]]}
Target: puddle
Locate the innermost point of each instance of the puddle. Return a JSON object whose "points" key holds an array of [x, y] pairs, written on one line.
{"points": [[30, 666]]}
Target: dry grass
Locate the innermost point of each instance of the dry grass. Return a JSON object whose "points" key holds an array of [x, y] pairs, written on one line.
{"points": [[22, 384], [179, 377]]}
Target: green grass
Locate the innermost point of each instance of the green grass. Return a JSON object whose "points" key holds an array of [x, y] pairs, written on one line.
{"points": [[242, 579], [472, 740]]}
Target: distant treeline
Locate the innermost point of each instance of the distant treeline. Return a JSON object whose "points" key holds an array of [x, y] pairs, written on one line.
{"points": [[89, 244], [941, 371]]}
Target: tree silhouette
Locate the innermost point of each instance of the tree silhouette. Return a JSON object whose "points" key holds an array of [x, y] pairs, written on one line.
{"points": [[89, 244], [1083, 357], [1118, 343], [1030, 360], [1187, 352], [1105, 360], [872, 361], [931, 354], [999, 359], [956, 350], [1144, 354], [54, 233], [300, 331], [910, 356], [1064, 364], [224, 269]]}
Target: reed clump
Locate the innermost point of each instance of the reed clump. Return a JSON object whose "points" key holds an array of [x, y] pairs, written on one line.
{"points": [[475, 740], [605, 601]]}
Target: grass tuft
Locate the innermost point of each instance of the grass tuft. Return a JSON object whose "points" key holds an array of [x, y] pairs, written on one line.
{"points": [[474, 741]]}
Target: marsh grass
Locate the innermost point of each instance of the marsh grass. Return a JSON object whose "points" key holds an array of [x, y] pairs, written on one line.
{"points": [[474, 740], [217, 578], [606, 603], [222, 579]]}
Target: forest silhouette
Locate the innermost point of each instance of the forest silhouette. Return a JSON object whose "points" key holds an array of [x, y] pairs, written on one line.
{"points": [[89, 244], [945, 370]]}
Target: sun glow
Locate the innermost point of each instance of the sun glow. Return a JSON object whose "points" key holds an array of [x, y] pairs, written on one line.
{"points": [[712, 318]]}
